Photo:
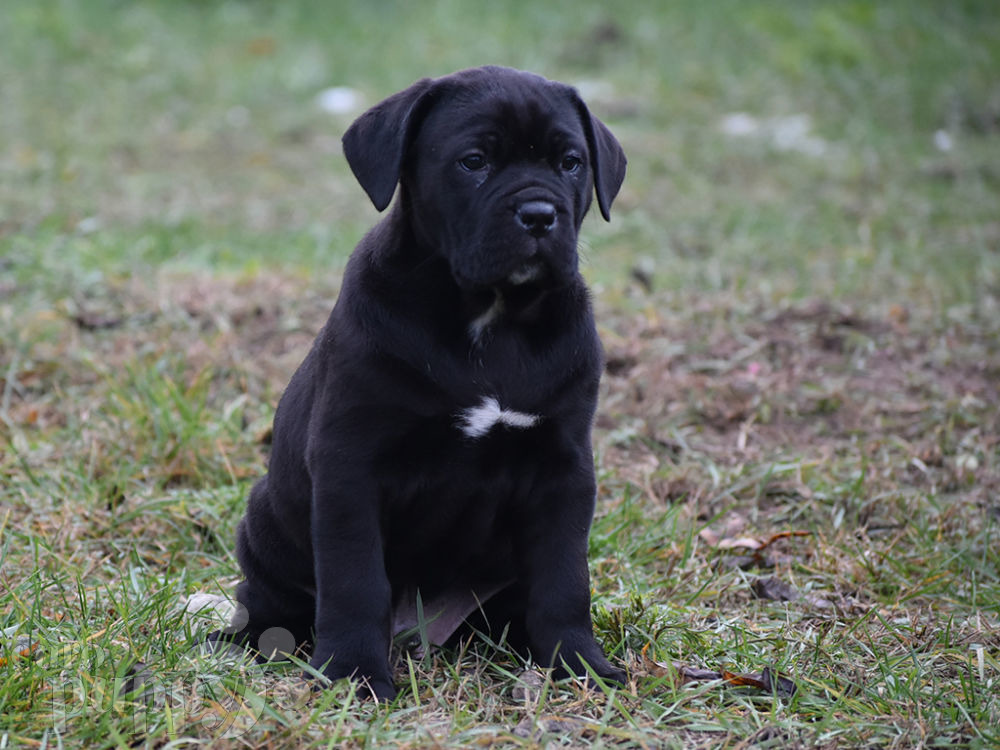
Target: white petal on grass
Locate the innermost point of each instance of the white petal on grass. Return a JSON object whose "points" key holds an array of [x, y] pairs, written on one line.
{"points": [[214, 607], [943, 140], [785, 133], [739, 124], [339, 100]]}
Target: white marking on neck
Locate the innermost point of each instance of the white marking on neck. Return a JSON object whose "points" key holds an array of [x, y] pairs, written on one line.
{"points": [[528, 272], [476, 421], [486, 319]]}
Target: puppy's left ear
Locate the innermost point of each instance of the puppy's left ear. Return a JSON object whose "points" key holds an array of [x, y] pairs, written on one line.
{"points": [[375, 144], [607, 159]]}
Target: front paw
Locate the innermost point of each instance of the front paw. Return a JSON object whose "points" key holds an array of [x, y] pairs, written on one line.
{"points": [[604, 672], [369, 684], [380, 690], [578, 654], [611, 675]]}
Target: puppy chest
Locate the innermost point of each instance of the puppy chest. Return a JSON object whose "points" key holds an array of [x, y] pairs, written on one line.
{"points": [[442, 539], [462, 477]]}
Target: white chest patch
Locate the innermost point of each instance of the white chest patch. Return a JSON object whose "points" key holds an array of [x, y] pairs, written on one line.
{"points": [[476, 421]]}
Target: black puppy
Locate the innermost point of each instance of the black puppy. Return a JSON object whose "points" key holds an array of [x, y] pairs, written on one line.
{"points": [[435, 443]]}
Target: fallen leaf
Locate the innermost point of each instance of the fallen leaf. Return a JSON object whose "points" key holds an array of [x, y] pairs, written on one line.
{"points": [[529, 683], [743, 542], [819, 602], [774, 589], [747, 542], [765, 680], [97, 321], [709, 537], [21, 648], [755, 546]]}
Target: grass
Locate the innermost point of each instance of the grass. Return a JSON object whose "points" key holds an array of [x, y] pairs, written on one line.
{"points": [[801, 325]]}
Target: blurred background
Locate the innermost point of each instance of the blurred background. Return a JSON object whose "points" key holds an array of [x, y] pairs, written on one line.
{"points": [[807, 148]]}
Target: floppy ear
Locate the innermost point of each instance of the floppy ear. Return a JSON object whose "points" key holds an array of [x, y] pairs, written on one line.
{"points": [[376, 142], [607, 159]]}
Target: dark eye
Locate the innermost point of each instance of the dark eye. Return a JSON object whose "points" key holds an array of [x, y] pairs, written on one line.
{"points": [[571, 163], [472, 162]]}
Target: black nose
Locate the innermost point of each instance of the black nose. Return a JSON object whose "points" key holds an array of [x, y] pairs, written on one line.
{"points": [[537, 217]]}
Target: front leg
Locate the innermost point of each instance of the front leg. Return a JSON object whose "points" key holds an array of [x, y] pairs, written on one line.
{"points": [[554, 572], [353, 595]]}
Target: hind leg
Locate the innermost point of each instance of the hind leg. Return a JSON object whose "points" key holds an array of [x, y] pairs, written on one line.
{"points": [[276, 608], [272, 627]]}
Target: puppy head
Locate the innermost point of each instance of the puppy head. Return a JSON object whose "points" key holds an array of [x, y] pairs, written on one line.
{"points": [[497, 169]]}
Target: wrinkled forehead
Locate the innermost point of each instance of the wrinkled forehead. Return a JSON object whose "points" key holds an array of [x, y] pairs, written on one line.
{"points": [[520, 109]]}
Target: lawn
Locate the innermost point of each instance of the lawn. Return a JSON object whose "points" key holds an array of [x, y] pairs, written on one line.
{"points": [[798, 444]]}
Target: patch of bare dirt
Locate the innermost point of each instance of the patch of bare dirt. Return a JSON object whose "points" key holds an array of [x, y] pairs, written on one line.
{"points": [[722, 383], [255, 330], [693, 386]]}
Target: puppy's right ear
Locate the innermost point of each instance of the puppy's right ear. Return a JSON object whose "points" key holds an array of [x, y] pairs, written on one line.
{"points": [[376, 142]]}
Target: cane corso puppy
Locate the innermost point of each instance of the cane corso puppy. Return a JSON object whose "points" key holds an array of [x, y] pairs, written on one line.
{"points": [[432, 453]]}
